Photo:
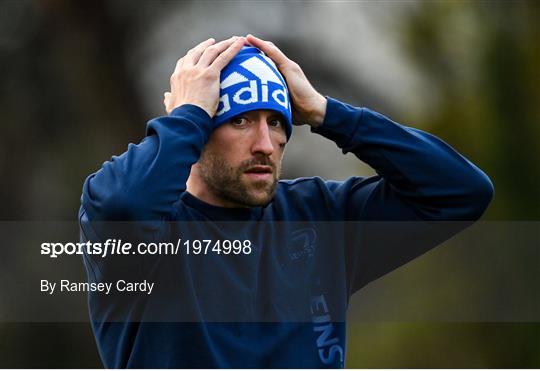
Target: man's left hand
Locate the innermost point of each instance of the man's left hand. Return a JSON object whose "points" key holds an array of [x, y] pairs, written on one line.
{"points": [[309, 106]]}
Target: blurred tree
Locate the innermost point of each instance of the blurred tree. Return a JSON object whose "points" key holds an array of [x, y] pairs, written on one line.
{"points": [[64, 83], [483, 57]]}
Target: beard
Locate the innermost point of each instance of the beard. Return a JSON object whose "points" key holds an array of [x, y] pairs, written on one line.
{"points": [[230, 184]]}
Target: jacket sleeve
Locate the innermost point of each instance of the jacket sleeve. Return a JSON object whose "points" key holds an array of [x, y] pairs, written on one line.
{"points": [[132, 195], [421, 179], [145, 181]]}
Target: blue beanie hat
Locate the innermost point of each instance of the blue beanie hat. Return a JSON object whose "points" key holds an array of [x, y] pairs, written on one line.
{"points": [[251, 81]]}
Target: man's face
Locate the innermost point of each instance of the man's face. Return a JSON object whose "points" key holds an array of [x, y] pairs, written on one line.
{"points": [[241, 163]]}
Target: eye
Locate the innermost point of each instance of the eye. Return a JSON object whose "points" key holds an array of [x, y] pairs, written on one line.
{"points": [[276, 122], [238, 121]]}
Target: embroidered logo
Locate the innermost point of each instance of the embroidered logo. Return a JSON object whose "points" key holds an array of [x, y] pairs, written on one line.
{"points": [[303, 243]]}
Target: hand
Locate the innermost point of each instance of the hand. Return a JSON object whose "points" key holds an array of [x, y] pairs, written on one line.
{"points": [[195, 79], [309, 106]]}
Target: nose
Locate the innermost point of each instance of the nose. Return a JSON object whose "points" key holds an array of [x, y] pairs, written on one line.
{"points": [[262, 142]]}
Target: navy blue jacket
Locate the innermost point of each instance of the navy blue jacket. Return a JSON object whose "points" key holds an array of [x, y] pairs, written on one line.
{"points": [[284, 304]]}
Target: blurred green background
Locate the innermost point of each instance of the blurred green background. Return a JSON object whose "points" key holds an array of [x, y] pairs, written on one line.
{"points": [[81, 78]]}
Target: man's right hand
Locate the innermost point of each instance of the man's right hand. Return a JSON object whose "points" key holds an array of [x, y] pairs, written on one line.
{"points": [[195, 79]]}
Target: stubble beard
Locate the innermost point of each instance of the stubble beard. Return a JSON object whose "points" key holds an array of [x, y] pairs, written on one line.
{"points": [[229, 184]]}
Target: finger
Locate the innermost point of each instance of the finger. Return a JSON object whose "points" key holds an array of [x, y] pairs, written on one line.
{"points": [[166, 100], [193, 55], [269, 49], [210, 53], [224, 58], [179, 64]]}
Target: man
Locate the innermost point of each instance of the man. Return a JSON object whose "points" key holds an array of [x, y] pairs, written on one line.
{"points": [[217, 157]]}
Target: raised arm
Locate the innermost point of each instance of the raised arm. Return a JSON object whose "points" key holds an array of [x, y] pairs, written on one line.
{"points": [[421, 179], [423, 187], [145, 181], [420, 176]]}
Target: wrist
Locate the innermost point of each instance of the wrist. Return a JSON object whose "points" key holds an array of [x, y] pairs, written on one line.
{"points": [[319, 112], [184, 108], [204, 107]]}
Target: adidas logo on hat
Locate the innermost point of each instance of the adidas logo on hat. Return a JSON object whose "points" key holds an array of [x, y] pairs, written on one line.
{"points": [[251, 81]]}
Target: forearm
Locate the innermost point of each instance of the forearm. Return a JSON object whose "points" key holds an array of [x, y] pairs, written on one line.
{"points": [[144, 182], [422, 171]]}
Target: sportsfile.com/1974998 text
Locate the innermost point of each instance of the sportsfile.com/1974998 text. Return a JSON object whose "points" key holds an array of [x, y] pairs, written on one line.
{"points": [[118, 247]]}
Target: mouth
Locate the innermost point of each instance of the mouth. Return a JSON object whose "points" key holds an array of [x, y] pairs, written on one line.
{"points": [[260, 172]]}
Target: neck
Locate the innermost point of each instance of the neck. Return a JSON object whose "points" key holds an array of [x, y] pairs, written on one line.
{"points": [[197, 188]]}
